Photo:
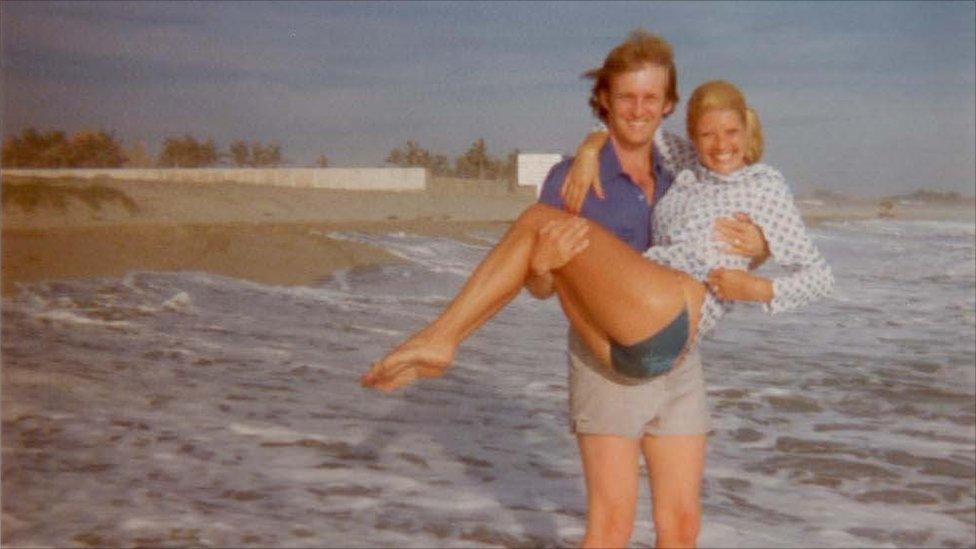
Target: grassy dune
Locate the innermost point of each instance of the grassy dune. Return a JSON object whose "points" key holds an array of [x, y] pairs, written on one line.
{"points": [[31, 194]]}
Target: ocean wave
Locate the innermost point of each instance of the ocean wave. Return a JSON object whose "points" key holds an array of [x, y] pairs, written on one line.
{"points": [[831, 424], [71, 317], [890, 227]]}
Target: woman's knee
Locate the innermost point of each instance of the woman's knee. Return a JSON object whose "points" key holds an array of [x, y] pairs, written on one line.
{"points": [[537, 215]]}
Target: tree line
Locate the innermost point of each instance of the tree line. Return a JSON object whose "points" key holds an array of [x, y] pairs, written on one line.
{"points": [[475, 163], [101, 149]]}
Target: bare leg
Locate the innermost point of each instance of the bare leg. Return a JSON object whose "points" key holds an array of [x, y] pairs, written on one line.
{"points": [[628, 297], [610, 469], [497, 279], [675, 464]]}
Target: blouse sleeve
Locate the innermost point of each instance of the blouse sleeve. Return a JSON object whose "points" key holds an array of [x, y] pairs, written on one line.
{"points": [[790, 246], [676, 152], [681, 256], [663, 254]]}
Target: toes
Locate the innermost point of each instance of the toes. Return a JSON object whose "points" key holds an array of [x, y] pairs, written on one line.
{"points": [[394, 382], [430, 371], [404, 366]]}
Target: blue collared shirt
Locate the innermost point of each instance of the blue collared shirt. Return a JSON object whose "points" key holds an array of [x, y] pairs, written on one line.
{"points": [[624, 211]]}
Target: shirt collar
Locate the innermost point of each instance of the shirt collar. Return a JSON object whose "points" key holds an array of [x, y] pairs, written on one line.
{"points": [[610, 164], [706, 175]]}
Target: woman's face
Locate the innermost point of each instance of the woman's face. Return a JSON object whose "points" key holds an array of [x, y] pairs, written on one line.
{"points": [[720, 139]]}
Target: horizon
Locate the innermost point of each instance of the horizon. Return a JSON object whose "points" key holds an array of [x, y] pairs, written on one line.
{"points": [[862, 99]]}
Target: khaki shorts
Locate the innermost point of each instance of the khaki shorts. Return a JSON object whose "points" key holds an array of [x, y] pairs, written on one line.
{"points": [[601, 404]]}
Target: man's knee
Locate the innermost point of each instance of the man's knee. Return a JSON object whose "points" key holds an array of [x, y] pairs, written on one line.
{"points": [[611, 529], [678, 526]]}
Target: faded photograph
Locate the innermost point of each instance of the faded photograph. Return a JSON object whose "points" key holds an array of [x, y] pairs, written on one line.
{"points": [[488, 274]]}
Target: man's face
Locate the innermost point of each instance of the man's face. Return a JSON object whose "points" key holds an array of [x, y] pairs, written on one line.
{"points": [[636, 102]]}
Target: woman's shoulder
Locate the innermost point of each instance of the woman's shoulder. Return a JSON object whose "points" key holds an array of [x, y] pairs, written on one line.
{"points": [[686, 178], [765, 177], [764, 172]]}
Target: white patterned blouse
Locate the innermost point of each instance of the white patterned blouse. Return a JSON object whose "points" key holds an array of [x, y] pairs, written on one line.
{"points": [[684, 219]]}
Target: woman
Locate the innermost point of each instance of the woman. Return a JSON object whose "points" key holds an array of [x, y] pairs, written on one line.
{"points": [[595, 273], [636, 316]]}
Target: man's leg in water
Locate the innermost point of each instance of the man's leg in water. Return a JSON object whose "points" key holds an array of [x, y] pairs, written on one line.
{"points": [[610, 469], [675, 464]]}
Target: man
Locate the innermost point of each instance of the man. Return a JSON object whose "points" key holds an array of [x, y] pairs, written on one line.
{"points": [[666, 419]]}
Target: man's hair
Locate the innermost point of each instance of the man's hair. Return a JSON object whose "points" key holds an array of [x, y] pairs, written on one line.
{"points": [[722, 95], [639, 49]]}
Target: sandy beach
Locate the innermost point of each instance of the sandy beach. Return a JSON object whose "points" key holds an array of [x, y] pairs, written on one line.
{"points": [[272, 235], [72, 228]]}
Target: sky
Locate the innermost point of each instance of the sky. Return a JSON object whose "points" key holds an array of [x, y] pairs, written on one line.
{"points": [[864, 98]]}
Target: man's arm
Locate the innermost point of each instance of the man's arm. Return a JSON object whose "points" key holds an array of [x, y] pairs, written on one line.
{"points": [[584, 173], [541, 285], [558, 243]]}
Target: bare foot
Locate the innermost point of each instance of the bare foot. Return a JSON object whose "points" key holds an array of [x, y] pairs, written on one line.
{"points": [[420, 356]]}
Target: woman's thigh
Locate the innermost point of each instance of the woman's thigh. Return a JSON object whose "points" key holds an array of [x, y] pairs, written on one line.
{"points": [[621, 292]]}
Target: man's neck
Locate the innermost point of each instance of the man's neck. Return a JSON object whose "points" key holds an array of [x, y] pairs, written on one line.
{"points": [[635, 161]]}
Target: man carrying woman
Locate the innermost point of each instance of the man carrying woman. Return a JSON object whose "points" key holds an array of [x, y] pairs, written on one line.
{"points": [[638, 319], [665, 419]]}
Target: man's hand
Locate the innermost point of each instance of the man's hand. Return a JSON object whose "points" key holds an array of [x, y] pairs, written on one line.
{"points": [[558, 242], [584, 173], [742, 237], [540, 286], [736, 285]]}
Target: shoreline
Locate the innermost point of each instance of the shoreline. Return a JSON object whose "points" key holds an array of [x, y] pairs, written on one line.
{"points": [[73, 228], [270, 235], [276, 253]]}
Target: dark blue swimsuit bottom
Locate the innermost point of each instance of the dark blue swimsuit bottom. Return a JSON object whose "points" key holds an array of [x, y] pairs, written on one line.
{"points": [[653, 356]]}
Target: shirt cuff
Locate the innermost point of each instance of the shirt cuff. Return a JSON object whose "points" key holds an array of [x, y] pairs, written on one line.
{"points": [[778, 303]]}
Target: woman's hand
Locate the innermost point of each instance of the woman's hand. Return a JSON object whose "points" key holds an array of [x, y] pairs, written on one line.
{"points": [[584, 173], [736, 285], [558, 242], [742, 237]]}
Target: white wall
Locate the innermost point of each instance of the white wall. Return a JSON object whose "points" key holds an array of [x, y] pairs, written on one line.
{"points": [[533, 168], [372, 179]]}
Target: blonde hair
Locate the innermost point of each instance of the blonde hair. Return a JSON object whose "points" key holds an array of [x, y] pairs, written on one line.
{"points": [[639, 49], [721, 95]]}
